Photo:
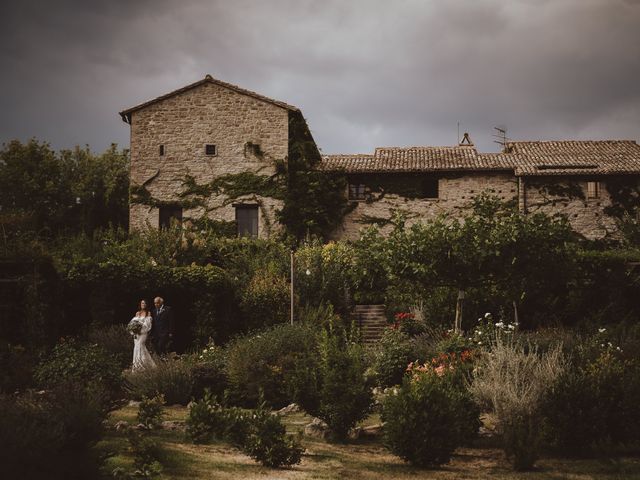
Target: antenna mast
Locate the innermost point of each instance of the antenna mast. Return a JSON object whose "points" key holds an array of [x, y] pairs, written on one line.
{"points": [[501, 137]]}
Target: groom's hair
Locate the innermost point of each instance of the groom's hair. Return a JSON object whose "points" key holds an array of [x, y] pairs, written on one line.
{"points": [[158, 298]]}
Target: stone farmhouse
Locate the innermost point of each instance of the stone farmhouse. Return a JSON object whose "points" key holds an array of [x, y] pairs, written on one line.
{"points": [[208, 132]]}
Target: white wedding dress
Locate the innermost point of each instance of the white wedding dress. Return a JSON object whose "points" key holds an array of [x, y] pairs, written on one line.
{"points": [[141, 357]]}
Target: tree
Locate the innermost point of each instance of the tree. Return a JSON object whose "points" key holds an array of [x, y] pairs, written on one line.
{"points": [[73, 190], [493, 246]]}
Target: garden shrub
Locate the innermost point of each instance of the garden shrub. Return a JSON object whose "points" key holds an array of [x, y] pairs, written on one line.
{"points": [[172, 378], [333, 386], [324, 274], [513, 380], [425, 346], [594, 403], [264, 362], [83, 363], [409, 324], [205, 324], [429, 417], [391, 356], [208, 369], [51, 435], [205, 420], [319, 316], [16, 367], [268, 442], [258, 433], [151, 411], [147, 456], [265, 300], [115, 340]]}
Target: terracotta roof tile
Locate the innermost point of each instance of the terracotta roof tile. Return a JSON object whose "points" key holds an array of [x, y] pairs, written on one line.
{"points": [[524, 158]]}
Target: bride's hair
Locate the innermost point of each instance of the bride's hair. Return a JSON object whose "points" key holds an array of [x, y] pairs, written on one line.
{"points": [[146, 305]]}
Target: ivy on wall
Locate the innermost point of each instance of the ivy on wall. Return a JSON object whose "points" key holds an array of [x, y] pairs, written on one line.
{"points": [[394, 214], [233, 186], [551, 193], [314, 203], [625, 196]]}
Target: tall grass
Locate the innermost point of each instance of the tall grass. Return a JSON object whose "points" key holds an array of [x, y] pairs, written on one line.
{"points": [[513, 380]]}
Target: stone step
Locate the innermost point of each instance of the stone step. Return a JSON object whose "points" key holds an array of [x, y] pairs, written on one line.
{"points": [[372, 322]]}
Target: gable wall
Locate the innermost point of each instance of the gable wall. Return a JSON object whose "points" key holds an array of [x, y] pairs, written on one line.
{"points": [[186, 122]]}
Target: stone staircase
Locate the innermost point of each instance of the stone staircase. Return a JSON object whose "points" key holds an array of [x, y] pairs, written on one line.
{"points": [[372, 322]]}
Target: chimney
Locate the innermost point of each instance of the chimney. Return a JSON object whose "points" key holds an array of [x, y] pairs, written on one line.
{"points": [[466, 141]]}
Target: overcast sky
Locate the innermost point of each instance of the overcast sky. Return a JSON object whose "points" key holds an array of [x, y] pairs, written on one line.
{"points": [[365, 73]]}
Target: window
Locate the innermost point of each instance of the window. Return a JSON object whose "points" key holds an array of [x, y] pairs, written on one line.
{"points": [[210, 149], [161, 150], [247, 220], [169, 214], [430, 187], [357, 191], [593, 190]]}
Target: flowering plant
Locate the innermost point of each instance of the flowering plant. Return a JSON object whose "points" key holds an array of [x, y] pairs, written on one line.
{"points": [[134, 327], [408, 323], [488, 329], [442, 364], [399, 318]]}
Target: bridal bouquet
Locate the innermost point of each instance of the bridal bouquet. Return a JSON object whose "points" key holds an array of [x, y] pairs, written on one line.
{"points": [[134, 327]]}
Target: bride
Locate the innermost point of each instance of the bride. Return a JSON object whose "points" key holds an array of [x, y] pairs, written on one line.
{"points": [[139, 327]]}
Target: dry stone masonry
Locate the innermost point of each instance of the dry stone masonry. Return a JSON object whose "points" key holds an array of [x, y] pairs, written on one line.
{"points": [[247, 132]]}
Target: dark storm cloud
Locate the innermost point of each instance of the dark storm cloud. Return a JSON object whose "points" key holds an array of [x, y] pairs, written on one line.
{"points": [[365, 73]]}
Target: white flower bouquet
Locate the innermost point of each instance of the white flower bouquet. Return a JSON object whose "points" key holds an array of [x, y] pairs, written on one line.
{"points": [[134, 327]]}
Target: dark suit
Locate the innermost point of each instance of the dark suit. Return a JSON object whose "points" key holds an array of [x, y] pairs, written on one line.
{"points": [[162, 328]]}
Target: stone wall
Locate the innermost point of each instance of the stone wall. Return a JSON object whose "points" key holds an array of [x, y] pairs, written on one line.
{"points": [[184, 124], [586, 215], [455, 192]]}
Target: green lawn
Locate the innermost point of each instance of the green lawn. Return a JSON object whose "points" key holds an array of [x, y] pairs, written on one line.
{"points": [[358, 460]]}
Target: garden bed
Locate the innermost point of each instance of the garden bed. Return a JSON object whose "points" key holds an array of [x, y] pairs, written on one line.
{"points": [[356, 460]]}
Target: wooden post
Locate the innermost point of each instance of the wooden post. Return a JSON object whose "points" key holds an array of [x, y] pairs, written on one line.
{"points": [[457, 328], [292, 301], [515, 313]]}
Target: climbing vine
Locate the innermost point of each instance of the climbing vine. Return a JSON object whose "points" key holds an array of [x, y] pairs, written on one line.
{"points": [[625, 196], [233, 186], [313, 201]]}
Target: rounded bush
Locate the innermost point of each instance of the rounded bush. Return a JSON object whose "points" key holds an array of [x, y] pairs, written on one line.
{"points": [[263, 363], [594, 404], [428, 418], [86, 364]]}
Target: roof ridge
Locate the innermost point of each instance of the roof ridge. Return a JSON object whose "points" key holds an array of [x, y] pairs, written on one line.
{"points": [[348, 155], [126, 113], [574, 141], [466, 147]]}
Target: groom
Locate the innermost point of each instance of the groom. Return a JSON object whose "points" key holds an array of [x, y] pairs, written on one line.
{"points": [[162, 329]]}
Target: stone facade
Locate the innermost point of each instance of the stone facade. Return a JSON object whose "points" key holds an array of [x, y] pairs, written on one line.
{"points": [[455, 192], [251, 132], [184, 123], [586, 215]]}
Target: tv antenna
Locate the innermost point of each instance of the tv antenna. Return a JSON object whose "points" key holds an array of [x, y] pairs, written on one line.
{"points": [[501, 137]]}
